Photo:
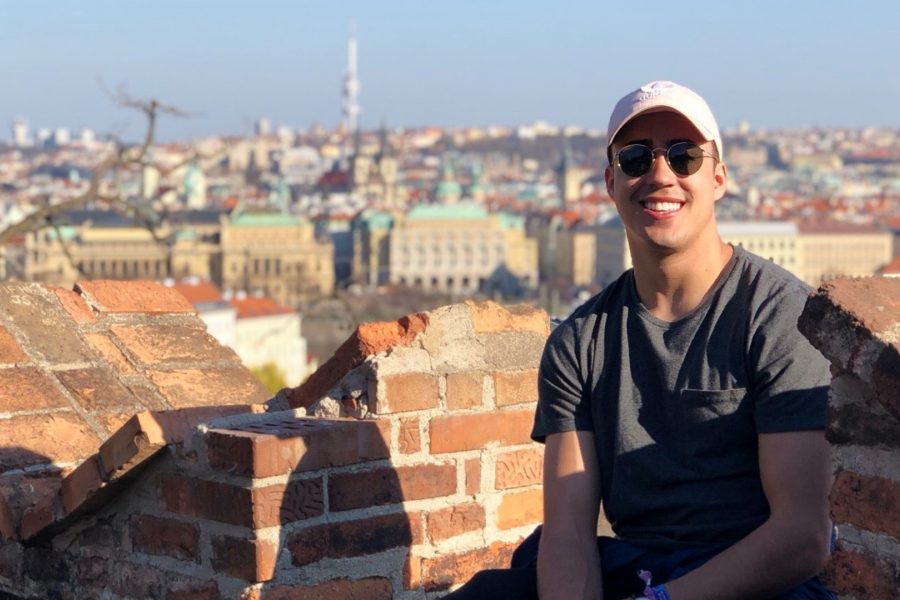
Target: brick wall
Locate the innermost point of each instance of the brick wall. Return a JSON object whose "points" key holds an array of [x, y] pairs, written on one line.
{"points": [[855, 323], [421, 474]]}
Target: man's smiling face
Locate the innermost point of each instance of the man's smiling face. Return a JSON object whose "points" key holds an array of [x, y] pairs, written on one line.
{"points": [[660, 210]]}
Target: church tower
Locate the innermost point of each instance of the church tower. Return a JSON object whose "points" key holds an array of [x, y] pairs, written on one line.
{"points": [[350, 90]]}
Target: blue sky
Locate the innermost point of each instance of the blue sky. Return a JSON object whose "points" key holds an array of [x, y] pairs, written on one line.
{"points": [[788, 63]]}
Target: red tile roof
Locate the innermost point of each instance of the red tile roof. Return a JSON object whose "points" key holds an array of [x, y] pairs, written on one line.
{"points": [[892, 268], [198, 293], [253, 306]]}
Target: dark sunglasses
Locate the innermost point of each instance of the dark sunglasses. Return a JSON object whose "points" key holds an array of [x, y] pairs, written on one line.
{"points": [[684, 158]]}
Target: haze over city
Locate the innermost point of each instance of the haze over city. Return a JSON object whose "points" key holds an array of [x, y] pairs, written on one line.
{"points": [[773, 64]]}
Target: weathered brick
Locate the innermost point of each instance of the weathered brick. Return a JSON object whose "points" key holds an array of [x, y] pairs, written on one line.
{"points": [[51, 336], [257, 508], [10, 351], [158, 345], [868, 502], [7, 520], [93, 571], [141, 582], [250, 560], [355, 538], [409, 438], [862, 575], [855, 416], [270, 448], [28, 388], [12, 560], [456, 433], [149, 398], [347, 491], [412, 572], [139, 439], [368, 339], [517, 350], [442, 572], [515, 387], [473, 476], [112, 422], [195, 387], [133, 297], [455, 520], [165, 537], [42, 439], [39, 516], [465, 390], [520, 508], [490, 317], [519, 468], [369, 588], [190, 589], [107, 350], [83, 488], [403, 393], [46, 564], [24, 490], [75, 306], [95, 389]]}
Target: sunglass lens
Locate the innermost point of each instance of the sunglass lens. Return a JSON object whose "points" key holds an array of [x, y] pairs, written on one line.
{"points": [[635, 160], [685, 158]]}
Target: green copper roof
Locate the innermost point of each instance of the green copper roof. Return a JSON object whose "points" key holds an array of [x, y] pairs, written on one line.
{"points": [[447, 188], [66, 232], [425, 212], [511, 221], [250, 219]]}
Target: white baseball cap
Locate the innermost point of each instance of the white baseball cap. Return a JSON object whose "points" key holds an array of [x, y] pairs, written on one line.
{"points": [[664, 95]]}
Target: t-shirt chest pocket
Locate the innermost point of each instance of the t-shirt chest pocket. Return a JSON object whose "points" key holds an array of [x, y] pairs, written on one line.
{"points": [[717, 422]]}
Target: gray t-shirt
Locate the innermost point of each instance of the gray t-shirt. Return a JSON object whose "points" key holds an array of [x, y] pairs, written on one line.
{"points": [[675, 408]]}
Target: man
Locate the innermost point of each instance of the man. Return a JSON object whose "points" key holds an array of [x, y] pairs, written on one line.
{"points": [[682, 398]]}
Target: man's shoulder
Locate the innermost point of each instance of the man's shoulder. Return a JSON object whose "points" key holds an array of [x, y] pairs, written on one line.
{"points": [[765, 281]]}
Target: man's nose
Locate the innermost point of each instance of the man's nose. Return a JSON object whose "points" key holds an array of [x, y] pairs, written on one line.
{"points": [[660, 172]]}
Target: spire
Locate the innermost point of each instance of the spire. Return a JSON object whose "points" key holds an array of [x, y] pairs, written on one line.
{"points": [[384, 147], [350, 103]]}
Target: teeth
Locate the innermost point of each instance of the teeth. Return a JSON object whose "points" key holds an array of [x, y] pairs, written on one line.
{"points": [[662, 206]]}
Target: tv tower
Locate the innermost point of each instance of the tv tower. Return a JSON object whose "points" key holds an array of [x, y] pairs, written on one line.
{"points": [[350, 102]]}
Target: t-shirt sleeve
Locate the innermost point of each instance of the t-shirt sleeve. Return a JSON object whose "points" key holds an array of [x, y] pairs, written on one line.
{"points": [[791, 378], [563, 404]]}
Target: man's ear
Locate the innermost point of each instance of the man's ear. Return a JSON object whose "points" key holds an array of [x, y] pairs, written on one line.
{"points": [[608, 176], [721, 180]]}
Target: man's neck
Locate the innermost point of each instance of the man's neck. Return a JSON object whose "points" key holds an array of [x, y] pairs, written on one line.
{"points": [[671, 285]]}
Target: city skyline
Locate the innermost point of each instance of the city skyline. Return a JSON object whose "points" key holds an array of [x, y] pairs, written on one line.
{"points": [[775, 66]]}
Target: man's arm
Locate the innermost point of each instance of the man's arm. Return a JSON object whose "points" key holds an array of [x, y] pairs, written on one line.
{"points": [[793, 544], [569, 560]]}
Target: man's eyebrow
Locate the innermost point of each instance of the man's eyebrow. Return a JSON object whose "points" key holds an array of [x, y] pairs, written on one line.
{"points": [[646, 142]]}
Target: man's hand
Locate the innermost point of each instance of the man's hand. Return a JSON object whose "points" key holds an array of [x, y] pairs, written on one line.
{"points": [[569, 560], [789, 548]]}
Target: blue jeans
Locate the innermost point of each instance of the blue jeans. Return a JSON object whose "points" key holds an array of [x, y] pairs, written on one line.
{"points": [[620, 562]]}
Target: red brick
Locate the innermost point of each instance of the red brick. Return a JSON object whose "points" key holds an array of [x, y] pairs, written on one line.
{"points": [[29, 389], [519, 468], [112, 422], [51, 336], [138, 581], [403, 393], [250, 560], [10, 351], [868, 502], [410, 439], [165, 537], [412, 572], [107, 350], [456, 433], [520, 508], [36, 518], [282, 504], [270, 448], [160, 344], [442, 572], [455, 520], [209, 387], [149, 398], [95, 389], [347, 491], [43, 439], [862, 575], [473, 476], [490, 317], [133, 297], [7, 520], [24, 490], [370, 588], [139, 439], [363, 537], [189, 589], [83, 488], [515, 387], [465, 390], [368, 339], [75, 306]]}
